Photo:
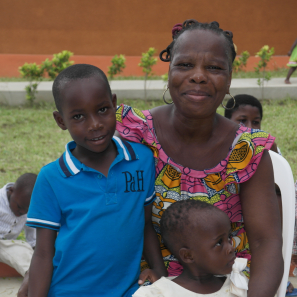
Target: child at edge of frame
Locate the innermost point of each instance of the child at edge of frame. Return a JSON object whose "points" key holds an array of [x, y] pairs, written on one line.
{"points": [[92, 206], [199, 235]]}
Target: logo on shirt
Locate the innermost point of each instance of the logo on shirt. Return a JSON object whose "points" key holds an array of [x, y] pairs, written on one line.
{"points": [[134, 183]]}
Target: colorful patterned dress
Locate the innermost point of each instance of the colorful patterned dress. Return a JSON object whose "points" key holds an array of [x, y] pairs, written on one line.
{"points": [[219, 186]]}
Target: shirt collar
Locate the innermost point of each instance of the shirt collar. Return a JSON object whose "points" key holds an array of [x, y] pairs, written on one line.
{"points": [[69, 165]]}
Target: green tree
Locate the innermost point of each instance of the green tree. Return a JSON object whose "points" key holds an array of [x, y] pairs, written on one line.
{"points": [[35, 73], [241, 61], [117, 66], [265, 55], [147, 61]]}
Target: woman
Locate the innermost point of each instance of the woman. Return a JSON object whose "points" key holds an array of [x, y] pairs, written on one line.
{"points": [[202, 155]]}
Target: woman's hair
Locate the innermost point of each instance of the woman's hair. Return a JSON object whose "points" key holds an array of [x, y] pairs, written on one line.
{"points": [[192, 24], [242, 99]]}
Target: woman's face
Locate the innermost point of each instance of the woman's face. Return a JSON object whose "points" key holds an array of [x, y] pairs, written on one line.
{"points": [[199, 74]]}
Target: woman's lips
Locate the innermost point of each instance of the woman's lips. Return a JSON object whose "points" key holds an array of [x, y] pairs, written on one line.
{"points": [[196, 95]]}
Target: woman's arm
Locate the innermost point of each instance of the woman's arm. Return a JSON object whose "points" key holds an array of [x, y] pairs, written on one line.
{"points": [[41, 268], [151, 251], [263, 226]]}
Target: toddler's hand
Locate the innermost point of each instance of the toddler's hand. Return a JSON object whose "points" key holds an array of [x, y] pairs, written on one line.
{"points": [[150, 275]]}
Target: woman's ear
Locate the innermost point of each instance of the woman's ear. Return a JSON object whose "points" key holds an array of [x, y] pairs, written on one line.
{"points": [[186, 255], [59, 120]]}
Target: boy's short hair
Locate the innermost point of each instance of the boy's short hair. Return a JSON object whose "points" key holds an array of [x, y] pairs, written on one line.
{"points": [[242, 99], [175, 221], [26, 182], [75, 72]]}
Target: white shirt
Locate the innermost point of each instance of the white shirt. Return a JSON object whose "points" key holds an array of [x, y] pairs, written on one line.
{"points": [[234, 285], [11, 225]]}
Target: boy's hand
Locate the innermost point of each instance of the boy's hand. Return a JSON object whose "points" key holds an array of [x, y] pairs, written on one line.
{"points": [[23, 290], [150, 275]]}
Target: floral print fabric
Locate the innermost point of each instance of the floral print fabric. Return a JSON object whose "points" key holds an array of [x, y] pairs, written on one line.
{"points": [[219, 186]]}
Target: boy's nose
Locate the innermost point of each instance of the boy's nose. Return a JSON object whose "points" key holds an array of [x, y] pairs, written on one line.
{"points": [[95, 124]]}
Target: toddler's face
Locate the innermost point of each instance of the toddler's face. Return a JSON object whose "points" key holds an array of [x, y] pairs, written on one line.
{"points": [[248, 115], [18, 201], [88, 114], [213, 250]]}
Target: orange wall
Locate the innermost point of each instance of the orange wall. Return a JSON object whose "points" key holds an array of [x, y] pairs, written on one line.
{"points": [[109, 27]]}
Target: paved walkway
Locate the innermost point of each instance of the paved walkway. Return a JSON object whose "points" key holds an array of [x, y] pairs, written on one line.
{"points": [[12, 93]]}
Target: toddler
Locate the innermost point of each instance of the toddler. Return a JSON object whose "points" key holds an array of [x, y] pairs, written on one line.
{"points": [[14, 204], [199, 235], [97, 195]]}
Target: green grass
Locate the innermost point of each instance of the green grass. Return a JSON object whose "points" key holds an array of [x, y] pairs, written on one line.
{"points": [[30, 138]]}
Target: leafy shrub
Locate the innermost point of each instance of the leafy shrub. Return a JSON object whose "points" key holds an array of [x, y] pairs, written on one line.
{"points": [[147, 61], [241, 61], [35, 73], [118, 64]]}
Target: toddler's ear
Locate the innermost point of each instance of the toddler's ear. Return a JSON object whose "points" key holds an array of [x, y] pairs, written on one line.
{"points": [[186, 255], [59, 120]]}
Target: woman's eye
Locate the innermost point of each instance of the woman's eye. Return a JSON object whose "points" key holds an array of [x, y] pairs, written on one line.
{"points": [[78, 116], [214, 67], [102, 110], [185, 64]]}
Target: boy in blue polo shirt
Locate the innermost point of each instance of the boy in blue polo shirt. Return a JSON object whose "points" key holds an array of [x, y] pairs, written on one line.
{"points": [[97, 196]]}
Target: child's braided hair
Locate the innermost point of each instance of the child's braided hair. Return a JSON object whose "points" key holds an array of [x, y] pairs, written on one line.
{"points": [[192, 24]]}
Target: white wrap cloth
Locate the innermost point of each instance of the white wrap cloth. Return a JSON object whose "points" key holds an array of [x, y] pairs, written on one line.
{"points": [[235, 284]]}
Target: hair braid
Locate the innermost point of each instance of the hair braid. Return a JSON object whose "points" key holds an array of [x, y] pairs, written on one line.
{"points": [[192, 24]]}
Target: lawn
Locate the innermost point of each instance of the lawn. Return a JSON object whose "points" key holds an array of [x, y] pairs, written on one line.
{"points": [[30, 138]]}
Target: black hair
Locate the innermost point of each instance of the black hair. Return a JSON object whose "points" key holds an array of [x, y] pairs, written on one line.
{"points": [[175, 221], [75, 72], [192, 24], [26, 182], [242, 99]]}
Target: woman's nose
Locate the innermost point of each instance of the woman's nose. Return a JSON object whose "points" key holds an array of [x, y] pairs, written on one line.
{"points": [[198, 76]]}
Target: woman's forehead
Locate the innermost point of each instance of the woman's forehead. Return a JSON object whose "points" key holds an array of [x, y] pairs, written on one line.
{"points": [[200, 40]]}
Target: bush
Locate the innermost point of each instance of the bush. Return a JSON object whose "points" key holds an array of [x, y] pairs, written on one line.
{"points": [[35, 73], [118, 64], [241, 61]]}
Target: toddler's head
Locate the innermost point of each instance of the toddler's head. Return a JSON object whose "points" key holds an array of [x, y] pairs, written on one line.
{"points": [[86, 107], [198, 234], [247, 110], [19, 195]]}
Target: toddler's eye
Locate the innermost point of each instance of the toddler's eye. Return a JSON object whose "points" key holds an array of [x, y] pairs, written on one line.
{"points": [[78, 116], [219, 243], [102, 110]]}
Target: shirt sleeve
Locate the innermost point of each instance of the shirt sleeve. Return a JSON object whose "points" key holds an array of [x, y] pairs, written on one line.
{"points": [[44, 210], [151, 196], [30, 234]]}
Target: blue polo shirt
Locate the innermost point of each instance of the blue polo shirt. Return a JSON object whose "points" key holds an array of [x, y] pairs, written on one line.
{"points": [[100, 220]]}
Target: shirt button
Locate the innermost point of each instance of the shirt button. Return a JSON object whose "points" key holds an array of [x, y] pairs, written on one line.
{"points": [[9, 231]]}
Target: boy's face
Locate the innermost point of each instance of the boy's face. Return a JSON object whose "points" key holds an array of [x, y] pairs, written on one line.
{"points": [[88, 113], [248, 115], [213, 249], [19, 201]]}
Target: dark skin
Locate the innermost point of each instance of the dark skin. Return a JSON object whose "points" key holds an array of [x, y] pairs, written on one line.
{"points": [[88, 113], [19, 200], [292, 69], [199, 78], [206, 251]]}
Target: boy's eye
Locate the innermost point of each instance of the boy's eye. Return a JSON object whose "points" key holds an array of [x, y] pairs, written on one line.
{"points": [[256, 123], [102, 110], [78, 116], [214, 67], [243, 121]]}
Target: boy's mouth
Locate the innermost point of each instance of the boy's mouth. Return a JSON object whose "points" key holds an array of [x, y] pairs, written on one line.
{"points": [[97, 138]]}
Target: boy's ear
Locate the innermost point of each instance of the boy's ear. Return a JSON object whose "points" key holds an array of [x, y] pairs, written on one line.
{"points": [[186, 255], [114, 100], [10, 190], [59, 120]]}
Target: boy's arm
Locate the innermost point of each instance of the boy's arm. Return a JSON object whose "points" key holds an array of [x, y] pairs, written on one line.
{"points": [[151, 251], [41, 268]]}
